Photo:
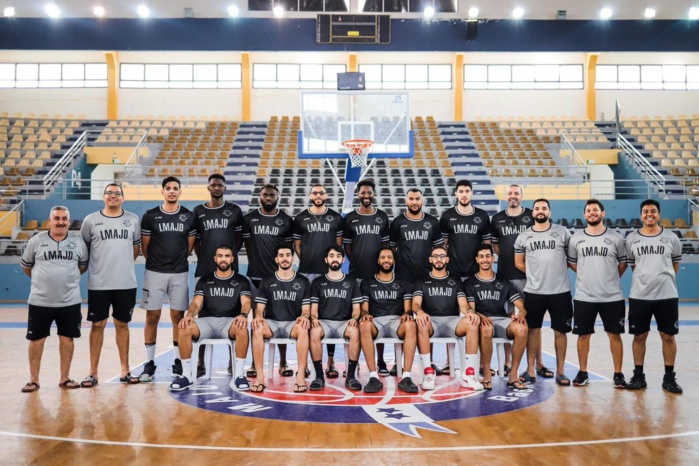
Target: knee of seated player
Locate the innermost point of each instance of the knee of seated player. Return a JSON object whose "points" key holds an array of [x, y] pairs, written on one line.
{"points": [[299, 332], [239, 333], [519, 330], [487, 332], [366, 326], [352, 333], [317, 334], [410, 327]]}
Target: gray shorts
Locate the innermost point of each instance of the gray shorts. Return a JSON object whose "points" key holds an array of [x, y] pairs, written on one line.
{"points": [[281, 328], [519, 286], [387, 326], [334, 328], [500, 325], [156, 285], [214, 327], [445, 326]]}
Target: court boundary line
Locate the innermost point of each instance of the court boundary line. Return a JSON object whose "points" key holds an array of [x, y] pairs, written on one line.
{"points": [[339, 450]]}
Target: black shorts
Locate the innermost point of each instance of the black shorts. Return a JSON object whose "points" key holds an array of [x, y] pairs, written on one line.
{"points": [[612, 314], [122, 303], [665, 311], [68, 321], [559, 306]]}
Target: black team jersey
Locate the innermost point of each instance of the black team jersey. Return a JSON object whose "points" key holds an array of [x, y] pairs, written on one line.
{"points": [[440, 295], [365, 232], [216, 226], [465, 233], [283, 298], [222, 296], [169, 237], [386, 298], [335, 297], [413, 240], [490, 296], [263, 233], [504, 231], [317, 233]]}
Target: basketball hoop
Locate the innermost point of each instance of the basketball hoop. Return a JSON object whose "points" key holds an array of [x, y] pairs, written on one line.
{"points": [[358, 151]]}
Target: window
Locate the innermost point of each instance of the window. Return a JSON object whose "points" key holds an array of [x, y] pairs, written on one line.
{"points": [[52, 75], [407, 76], [180, 76], [300, 5], [295, 76], [412, 6], [523, 77], [647, 77]]}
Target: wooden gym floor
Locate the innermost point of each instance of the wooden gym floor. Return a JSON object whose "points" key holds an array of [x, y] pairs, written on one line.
{"points": [[145, 424]]}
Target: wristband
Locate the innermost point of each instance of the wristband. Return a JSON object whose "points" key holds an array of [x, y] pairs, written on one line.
{"points": [[245, 315]]}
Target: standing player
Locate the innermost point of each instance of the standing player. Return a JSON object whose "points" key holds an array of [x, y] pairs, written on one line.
{"points": [[283, 310], [221, 305], [541, 253], [113, 238], [505, 226], [335, 310], [54, 260], [315, 230], [598, 255], [387, 313], [487, 295], [441, 310], [654, 255], [168, 234]]}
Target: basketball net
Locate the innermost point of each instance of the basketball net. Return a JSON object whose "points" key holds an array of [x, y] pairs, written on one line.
{"points": [[358, 151]]}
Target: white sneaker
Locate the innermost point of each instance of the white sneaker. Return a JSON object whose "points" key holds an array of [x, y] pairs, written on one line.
{"points": [[428, 380], [469, 380]]}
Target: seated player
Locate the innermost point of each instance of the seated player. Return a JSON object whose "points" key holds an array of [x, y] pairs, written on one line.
{"points": [[335, 310], [387, 313], [221, 305], [441, 310], [283, 310], [488, 295]]}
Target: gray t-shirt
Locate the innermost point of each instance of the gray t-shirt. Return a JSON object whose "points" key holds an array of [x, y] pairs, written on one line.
{"points": [[55, 269], [597, 258], [652, 257], [110, 241], [546, 260]]}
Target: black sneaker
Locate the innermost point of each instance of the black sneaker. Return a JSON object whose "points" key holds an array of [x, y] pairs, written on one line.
{"points": [[670, 384], [581, 379], [383, 370], [201, 371], [177, 367], [394, 371], [408, 386], [619, 381], [148, 373], [638, 381], [374, 385]]}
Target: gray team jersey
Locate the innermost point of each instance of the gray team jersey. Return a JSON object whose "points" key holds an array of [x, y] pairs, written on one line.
{"points": [[546, 260], [110, 241], [652, 257], [55, 269], [597, 258]]}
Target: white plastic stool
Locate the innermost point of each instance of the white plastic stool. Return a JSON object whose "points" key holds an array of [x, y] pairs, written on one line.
{"points": [[499, 346], [272, 350], [397, 348], [333, 341], [451, 343], [209, 355]]}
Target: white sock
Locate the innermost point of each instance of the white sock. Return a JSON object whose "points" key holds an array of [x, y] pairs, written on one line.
{"points": [[471, 361], [373, 374], [187, 368], [406, 374], [239, 367], [426, 360], [176, 349], [150, 352]]}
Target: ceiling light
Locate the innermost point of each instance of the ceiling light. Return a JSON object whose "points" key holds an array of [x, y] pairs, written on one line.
{"points": [[694, 13], [233, 10], [649, 13], [52, 10], [429, 12], [98, 11], [606, 13], [473, 13], [517, 13], [9, 12], [278, 11], [143, 11]]}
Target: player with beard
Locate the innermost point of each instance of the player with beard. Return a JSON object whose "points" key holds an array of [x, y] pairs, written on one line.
{"points": [[598, 255], [488, 295], [335, 311], [283, 310], [264, 229], [168, 233], [315, 230], [441, 310], [541, 253], [505, 226], [387, 313], [221, 305]]}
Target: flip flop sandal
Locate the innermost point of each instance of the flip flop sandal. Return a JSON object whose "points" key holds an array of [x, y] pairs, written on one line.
{"points": [[438, 371], [129, 379], [317, 384], [487, 385], [562, 379], [517, 384], [258, 388], [444, 370], [383, 370], [69, 384], [353, 384], [300, 388], [89, 382], [331, 373], [524, 377], [30, 387], [284, 371], [545, 372], [252, 373], [507, 371]]}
